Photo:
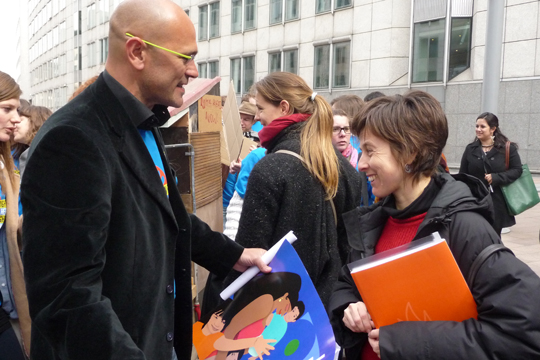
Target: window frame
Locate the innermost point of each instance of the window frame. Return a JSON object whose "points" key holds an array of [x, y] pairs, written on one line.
{"points": [[332, 6], [331, 65], [240, 14], [241, 60]]}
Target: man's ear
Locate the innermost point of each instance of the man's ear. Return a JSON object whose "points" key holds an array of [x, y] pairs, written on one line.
{"points": [[136, 53], [284, 107]]}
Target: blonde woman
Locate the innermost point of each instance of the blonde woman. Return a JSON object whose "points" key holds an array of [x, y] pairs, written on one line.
{"points": [[14, 314], [287, 193]]}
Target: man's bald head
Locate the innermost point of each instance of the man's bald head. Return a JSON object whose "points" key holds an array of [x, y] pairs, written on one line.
{"points": [[147, 19], [152, 74]]}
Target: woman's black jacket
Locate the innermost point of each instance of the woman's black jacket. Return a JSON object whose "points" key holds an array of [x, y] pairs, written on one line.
{"points": [[506, 290]]}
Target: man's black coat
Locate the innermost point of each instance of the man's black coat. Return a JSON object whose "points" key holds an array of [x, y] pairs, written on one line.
{"points": [[103, 246]]}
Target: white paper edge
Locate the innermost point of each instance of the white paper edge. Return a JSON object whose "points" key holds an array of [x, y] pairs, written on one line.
{"points": [[254, 270]]}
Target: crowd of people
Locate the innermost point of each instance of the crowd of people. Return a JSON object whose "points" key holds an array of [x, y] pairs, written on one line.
{"points": [[95, 258]]}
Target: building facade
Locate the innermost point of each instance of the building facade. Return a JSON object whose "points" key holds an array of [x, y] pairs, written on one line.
{"points": [[337, 46]]}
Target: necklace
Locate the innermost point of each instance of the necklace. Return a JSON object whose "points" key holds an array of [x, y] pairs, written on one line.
{"points": [[488, 146]]}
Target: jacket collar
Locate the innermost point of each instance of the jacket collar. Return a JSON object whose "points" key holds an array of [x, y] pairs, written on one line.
{"points": [[458, 193]]}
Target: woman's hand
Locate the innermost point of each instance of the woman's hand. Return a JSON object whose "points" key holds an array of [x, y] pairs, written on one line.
{"points": [[373, 338], [357, 319], [235, 166], [488, 178]]}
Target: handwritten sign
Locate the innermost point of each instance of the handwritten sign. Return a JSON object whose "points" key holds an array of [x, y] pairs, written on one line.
{"points": [[209, 113]]}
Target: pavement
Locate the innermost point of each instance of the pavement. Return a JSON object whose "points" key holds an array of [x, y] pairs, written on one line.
{"points": [[523, 238]]}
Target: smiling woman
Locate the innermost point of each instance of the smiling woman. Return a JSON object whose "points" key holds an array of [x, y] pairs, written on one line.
{"points": [[402, 138]]}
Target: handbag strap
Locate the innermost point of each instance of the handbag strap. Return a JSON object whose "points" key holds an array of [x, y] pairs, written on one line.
{"points": [[507, 159], [292, 153], [482, 257]]}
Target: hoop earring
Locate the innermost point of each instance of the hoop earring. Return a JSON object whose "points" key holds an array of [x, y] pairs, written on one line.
{"points": [[408, 168]]}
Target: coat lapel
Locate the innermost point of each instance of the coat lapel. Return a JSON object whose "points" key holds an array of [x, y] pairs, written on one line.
{"points": [[130, 146]]}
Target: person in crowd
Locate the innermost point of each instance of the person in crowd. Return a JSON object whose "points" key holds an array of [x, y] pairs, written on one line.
{"points": [[351, 105], [250, 98], [485, 158], [14, 314], [402, 139], [302, 184], [106, 241], [247, 119], [373, 95], [234, 208], [341, 137], [32, 118]]}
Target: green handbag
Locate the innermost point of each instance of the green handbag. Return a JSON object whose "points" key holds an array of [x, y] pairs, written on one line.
{"points": [[521, 194]]}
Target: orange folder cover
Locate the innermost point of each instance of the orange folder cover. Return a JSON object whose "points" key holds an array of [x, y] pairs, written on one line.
{"points": [[419, 281]]}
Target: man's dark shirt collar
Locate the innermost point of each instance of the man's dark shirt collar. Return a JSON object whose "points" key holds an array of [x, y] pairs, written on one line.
{"points": [[141, 116]]}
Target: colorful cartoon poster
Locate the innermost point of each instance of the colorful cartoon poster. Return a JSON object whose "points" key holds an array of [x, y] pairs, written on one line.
{"points": [[273, 316]]}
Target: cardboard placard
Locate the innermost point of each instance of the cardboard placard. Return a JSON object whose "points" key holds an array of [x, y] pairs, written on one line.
{"points": [[209, 110], [245, 148], [231, 125]]}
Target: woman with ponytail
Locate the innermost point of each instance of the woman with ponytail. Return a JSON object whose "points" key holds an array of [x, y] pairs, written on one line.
{"points": [[302, 184]]}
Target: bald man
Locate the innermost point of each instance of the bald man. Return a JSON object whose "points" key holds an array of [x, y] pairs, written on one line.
{"points": [[106, 240]]}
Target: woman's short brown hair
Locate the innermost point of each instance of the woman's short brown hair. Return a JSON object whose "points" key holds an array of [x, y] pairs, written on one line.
{"points": [[414, 124]]}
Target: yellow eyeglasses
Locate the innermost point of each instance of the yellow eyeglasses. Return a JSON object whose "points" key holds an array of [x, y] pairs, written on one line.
{"points": [[192, 57]]}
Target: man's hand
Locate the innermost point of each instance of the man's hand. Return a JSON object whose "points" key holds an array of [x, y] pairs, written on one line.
{"points": [[252, 257], [357, 318], [373, 338]]}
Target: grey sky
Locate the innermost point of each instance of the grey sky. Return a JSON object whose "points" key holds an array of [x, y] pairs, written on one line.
{"points": [[9, 14]]}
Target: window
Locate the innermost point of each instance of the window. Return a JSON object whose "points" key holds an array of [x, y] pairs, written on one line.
{"points": [[438, 55], [243, 15], [249, 14], [323, 6], [213, 69], [104, 50], [209, 69], [248, 73], [203, 22], [335, 59], [342, 60], [428, 51], [209, 21], [460, 46], [103, 11], [327, 5], [92, 54], [203, 70], [280, 7], [236, 67], [276, 11], [274, 62], [62, 32], [214, 20], [322, 64], [91, 15], [77, 23], [243, 73], [286, 60]]}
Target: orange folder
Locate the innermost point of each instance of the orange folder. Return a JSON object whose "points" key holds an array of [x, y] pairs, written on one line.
{"points": [[420, 281]]}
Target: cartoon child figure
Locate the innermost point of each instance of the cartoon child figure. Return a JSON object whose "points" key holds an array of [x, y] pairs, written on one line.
{"points": [[207, 331], [276, 326]]}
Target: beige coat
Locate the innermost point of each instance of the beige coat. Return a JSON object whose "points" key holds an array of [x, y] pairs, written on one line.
{"points": [[17, 274]]}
